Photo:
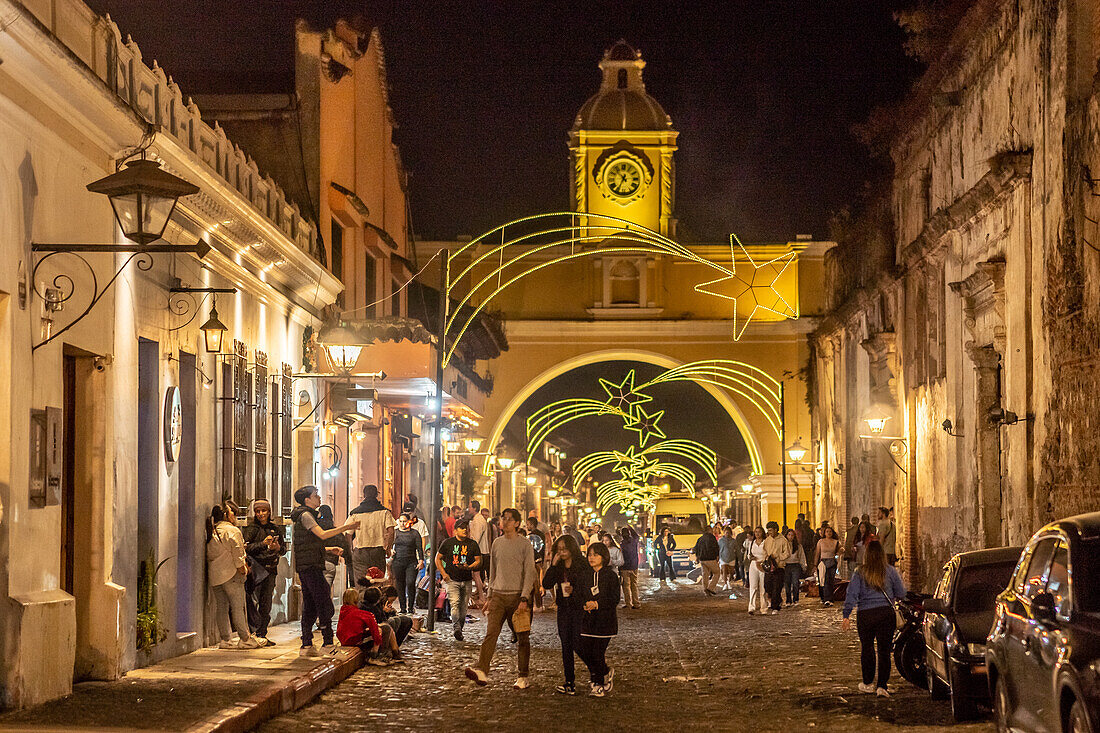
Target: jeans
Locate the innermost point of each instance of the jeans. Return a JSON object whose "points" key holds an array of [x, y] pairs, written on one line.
{"points": [[710, 574], [569, 631], [593, 651], [401, 626], [876, 626], [757, 598], [773, 584], [458, 593], [229, 601], [501, 607], [316, 604], [665, 561], [792, 579], [829, 572], [331, 565], [365, 558], [404, 579], [629, 580], [258, 602]]}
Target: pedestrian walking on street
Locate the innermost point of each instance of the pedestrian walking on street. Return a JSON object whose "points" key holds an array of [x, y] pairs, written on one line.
{"points": [[850, 536], [265, 544], [741, 544], [727, 558], [825, 560], [309, 560], [795, 568], [665, 544], [456, 560], [887, 535], [865, 535], [628, 576], [227, 567], [374, 530], [757, 555], [706, 552], [408, 559], [568, 573], [874, 589], [511, 577], [537, 537], [778, 551], [613, 550], [600, 622], [479, 533]]}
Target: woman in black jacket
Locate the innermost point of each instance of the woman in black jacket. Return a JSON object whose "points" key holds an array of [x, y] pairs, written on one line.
{"points": [[665, 544], [568, 574], [264, 542], [600, 623]]}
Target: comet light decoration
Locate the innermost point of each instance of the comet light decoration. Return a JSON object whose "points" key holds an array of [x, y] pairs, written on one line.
{"points": [[635, 469], [625, 399], [757, 286], [506, 255]]}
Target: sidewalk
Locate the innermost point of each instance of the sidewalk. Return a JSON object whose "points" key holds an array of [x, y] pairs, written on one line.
{"points": [[207, 690]]}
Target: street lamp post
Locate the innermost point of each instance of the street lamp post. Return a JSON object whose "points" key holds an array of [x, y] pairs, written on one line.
{"points": [[437, 447], [783, 443]]}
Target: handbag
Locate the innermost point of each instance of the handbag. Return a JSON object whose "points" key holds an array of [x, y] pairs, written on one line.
{"points": [[770, 565]]}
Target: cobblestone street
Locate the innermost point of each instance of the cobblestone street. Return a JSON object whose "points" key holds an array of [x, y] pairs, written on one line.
{"points": [[681, 662]]}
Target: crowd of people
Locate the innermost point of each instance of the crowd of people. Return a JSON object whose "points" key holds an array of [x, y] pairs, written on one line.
{"points": [[506, 565]]}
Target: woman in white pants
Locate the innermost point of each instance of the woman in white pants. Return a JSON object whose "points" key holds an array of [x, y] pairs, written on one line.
{"points": [[227, 568], [758, 599]]}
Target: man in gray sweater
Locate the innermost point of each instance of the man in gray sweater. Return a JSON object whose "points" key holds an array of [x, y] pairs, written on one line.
{"points": [[511, 579]]}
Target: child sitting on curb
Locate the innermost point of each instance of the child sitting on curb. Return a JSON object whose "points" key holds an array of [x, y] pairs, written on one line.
{"points": [[353, 627]]}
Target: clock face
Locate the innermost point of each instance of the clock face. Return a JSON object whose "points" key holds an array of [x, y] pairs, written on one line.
{"points": [[623, 177]]}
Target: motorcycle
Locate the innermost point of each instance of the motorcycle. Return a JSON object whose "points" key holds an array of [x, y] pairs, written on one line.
{"points": [[909, 639]]}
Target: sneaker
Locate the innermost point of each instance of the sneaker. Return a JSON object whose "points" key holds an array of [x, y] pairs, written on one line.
{"points": [[480, 678], [379, 661], [882, 692], [773, 612], [869, 689], [329, 648], [397, 657], [609, 680], [250, 643], [566, 688], [597, 690], [752, 612], [709, 592], [522, 683], [264, 641], [309, 651], [227, 645], [458, 634], [637, 607], [827, 604]]}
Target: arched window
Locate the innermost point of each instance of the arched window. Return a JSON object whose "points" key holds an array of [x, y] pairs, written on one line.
{"points": [[622, 78], [625, 285]]}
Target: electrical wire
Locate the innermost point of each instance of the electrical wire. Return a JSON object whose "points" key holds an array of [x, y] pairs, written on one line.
{"points": [[395, 292]]}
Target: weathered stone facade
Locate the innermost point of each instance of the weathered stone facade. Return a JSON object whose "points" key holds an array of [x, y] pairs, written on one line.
{"points": [[968, 286]]}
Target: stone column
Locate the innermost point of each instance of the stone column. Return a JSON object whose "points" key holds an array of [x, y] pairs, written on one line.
{"points": [[987, 367]]}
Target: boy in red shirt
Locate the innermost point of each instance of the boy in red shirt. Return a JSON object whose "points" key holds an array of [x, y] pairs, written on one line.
{"points": [[354, 625]]}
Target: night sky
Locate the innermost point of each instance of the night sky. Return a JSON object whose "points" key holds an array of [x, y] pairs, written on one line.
{"points": [[763, 93]]}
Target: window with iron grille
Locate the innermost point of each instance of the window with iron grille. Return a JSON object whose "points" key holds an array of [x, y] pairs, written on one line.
{"points": [[259, 391], [286, 467]]}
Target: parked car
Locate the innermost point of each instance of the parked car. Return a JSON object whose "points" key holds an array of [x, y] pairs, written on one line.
{"points": [[1043, 652], [957, 620]]}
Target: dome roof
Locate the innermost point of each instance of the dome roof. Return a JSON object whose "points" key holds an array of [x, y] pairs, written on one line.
{"points": [[622, 102]]}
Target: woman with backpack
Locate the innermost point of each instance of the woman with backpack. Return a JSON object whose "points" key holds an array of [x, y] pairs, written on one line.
{"points": [[874, 588], [227, 569]]}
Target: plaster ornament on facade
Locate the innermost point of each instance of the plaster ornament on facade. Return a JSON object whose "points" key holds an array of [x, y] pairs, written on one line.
{"points": [[759, 288]]}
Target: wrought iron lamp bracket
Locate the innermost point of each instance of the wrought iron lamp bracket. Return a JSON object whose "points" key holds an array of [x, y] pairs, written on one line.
{"points": [[181, 301]]}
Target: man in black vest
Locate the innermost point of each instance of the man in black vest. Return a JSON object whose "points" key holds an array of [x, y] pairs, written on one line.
{"points": [[309, 561]]}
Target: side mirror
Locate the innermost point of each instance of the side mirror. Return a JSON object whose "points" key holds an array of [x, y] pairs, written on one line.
{"points": [[1042, 607], [936, 605]]}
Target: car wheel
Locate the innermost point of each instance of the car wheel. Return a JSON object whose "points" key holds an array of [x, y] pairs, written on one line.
{"points": [[1002, 706], [963, 708], [1079, 718]]}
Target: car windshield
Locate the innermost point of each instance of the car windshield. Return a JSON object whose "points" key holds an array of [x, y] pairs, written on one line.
{"points": [[979, 586], [682, 523], [1085, 562]]}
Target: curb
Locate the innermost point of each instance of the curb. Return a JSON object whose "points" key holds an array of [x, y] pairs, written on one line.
{"points": [[283, 698]]}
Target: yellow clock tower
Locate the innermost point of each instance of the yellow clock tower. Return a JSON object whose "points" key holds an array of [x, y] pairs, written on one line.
{"points": [[622, 144]]}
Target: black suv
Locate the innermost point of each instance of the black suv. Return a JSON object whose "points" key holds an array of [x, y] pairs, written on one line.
{"points": [[1043, 653], [957, 619]]}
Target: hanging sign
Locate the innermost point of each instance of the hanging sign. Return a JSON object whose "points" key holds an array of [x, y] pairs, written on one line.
{"points": [[173, 424]]}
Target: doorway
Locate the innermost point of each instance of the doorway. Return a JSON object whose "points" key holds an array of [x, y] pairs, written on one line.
{"points": [[148, 473], [185, 536]]}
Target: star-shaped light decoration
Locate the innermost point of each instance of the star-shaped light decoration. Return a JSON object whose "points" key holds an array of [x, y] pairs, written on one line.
{"points": [[622, 395], [645, 424], [757, 286]]}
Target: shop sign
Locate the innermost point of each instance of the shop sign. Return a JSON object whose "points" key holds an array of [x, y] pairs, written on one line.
{"points": [[173, 424]]}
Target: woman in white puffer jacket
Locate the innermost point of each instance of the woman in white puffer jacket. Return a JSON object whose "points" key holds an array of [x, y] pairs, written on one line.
{"points": [[227, 569]]}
